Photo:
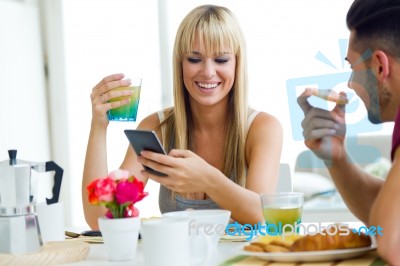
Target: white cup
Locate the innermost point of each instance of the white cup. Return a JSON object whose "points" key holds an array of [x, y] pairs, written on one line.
{"points": [[166, 241], [210, 223], [51, 221]]}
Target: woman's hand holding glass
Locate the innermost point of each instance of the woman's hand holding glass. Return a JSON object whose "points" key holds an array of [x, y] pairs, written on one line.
{"points": [[103, 92]]}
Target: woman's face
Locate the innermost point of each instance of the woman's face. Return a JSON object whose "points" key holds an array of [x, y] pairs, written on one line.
{"points": [[208, 78]]}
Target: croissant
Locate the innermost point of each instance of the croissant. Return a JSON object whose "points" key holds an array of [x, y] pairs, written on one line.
{"points": [[330, 241]]}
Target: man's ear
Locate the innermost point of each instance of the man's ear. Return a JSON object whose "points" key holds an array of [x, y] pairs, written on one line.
{"points": [[380, 61]]}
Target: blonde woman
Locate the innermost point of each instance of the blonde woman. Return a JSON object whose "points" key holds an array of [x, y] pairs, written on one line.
{"points": [[221, 153]]}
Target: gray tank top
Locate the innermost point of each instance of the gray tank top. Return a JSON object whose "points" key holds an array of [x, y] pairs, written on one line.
{"points": [[179, 203]]}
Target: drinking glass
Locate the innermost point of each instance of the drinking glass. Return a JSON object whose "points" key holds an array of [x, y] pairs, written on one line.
{"points": [[282, 211], [127, 112]]}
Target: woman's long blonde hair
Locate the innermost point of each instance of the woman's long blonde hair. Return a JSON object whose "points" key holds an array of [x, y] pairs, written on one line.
{"points": [[217, 29]]}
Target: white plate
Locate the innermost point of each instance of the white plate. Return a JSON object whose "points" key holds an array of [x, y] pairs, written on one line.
{"points": [[309, 256]]}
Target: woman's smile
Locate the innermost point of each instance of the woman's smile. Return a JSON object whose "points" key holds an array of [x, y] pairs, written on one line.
{"points": [[207, 86]]}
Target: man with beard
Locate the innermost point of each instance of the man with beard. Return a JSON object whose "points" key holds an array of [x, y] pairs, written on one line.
{"points": [[374, 55]]}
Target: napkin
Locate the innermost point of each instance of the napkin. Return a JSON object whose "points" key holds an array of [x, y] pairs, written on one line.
{"points": [[87, 239]]}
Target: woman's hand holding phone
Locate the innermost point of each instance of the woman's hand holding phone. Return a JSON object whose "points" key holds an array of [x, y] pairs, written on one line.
{"points": [[141, 140]]}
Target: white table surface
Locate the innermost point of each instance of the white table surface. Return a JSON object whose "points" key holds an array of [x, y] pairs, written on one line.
{"points": [[98, 256], [327, 209]]}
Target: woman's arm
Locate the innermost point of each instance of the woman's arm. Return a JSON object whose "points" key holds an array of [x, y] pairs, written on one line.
{"points": [[263, 154], [95, 165]]}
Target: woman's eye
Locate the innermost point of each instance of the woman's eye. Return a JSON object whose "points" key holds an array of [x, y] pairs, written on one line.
{"points": [[221, 60], [193, 60]]}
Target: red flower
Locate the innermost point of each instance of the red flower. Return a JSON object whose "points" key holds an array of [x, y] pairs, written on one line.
{"points": [[101, 190], [93, 198], [118, 193]]}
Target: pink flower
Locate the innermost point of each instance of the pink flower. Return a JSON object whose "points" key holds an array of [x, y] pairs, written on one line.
{"points": [[118, 192], [131, 211], [129, 191], [109, 214]]}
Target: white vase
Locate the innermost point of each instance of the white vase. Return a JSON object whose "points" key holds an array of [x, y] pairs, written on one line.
{"points": [[120, 237]]}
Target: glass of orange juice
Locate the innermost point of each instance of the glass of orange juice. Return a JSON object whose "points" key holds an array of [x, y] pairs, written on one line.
{"points": [[282, 211]]}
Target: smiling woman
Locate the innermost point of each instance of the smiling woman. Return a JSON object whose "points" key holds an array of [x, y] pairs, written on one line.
{"points": [[213, 140]]}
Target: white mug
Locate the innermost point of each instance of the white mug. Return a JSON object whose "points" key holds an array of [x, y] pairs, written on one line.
{"points": [[51, 221], [166, 241], [210, 224]]}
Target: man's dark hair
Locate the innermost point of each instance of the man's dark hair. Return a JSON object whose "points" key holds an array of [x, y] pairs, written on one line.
{"points": [[376, 24]]}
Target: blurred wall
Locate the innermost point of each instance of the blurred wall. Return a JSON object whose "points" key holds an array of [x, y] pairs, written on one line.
{"points": [[23, 108], [32, 89]]}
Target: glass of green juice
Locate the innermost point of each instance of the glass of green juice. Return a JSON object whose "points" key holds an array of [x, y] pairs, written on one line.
{"points": [[127, 112], [282, 212]]}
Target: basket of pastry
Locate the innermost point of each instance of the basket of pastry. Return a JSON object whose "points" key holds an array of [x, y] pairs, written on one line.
{"points": [[327, 239]]}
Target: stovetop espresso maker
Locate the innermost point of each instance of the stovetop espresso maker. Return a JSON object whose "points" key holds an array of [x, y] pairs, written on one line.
{"points": [[19, 227]]}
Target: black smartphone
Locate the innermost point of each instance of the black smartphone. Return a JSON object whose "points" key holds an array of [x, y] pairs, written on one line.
{"points": [[145, 140], [91, 233], [95, 233]]}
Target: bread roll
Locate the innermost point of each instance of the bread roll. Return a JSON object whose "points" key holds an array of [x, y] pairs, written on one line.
{"points": [[331, 241], [330, 95]]}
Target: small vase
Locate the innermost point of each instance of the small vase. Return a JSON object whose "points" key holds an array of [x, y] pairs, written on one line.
{"points": [[120, 237]]}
